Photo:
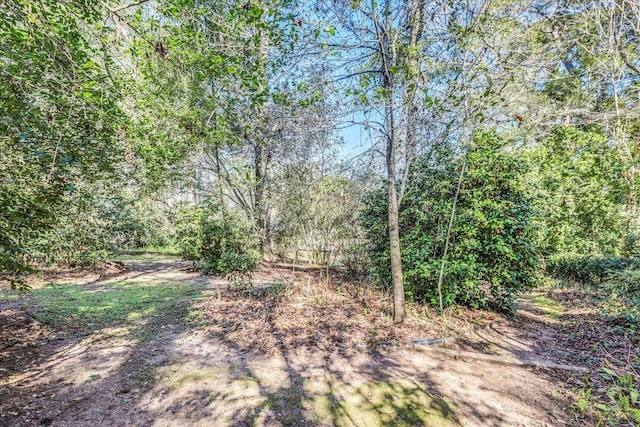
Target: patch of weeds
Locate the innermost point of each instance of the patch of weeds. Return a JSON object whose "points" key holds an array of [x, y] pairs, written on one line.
{"points": [[287, 405], [78, 310], [277, 288], [583, 399], [622, 313], [195, 317], [618, 401], [145, 376]]}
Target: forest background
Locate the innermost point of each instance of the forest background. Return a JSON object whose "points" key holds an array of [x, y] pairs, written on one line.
{"points": [[499, 140]]}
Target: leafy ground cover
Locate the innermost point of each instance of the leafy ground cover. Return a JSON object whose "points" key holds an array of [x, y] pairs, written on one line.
{"points": [[326, 315], [600, 336]]}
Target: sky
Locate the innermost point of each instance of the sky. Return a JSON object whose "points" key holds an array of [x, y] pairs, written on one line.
{"points": [[356, 139]]}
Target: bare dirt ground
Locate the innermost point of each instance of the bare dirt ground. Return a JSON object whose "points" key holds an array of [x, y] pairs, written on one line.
{"points": [[286, 350]]}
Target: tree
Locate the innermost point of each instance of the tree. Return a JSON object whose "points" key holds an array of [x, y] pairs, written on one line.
{"points": [[577, 63], [580, 193], [295, 133], [408, 65], [59, 109], [385, 37], [140, 84]]}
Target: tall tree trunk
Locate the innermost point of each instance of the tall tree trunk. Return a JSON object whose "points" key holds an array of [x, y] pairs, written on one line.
{"points": [[260, 206], [262, 147], [399, 312], [388, 59]]}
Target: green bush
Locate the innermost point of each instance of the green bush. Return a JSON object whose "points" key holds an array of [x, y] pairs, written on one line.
{"points": [[579, 193], [623, 290], [491, 250], [631, 246], [221, 242], [614, 279], [189, 233], [624, 283], [12, 266], [590, 271], [93, 226], [230, 263]]}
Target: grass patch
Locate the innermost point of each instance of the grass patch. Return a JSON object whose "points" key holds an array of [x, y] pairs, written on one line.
{"points": [[550, 306], [74, 309], [199, 376], [10, 295]]}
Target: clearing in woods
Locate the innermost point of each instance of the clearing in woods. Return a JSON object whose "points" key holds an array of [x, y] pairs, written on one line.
{"points": [[150, 343]]}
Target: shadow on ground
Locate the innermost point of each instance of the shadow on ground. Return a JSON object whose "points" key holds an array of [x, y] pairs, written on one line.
{"points": [[136, 352]]}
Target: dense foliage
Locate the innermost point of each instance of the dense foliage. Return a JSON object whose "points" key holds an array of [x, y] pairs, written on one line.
{"points": [[592, 271], [218, 241], [99, 223], [58, 111], [580, 193], [492, 251]]}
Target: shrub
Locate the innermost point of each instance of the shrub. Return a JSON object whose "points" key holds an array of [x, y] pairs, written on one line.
{"points": [[355, 259], [491, 249], [624, 283], [631, 246], [189, 233], [231, 263], [615, 279], [590, 271], [12, 268], [222, 242], [580, 195], [88, 232]]}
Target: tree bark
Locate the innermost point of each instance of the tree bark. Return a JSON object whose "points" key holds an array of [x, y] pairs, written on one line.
{"points": [[399, 312], [393, 219], [261, 210], [262, 151]]}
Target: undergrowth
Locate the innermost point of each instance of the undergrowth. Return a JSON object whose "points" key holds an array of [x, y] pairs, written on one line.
{"points": [[602, 326], [611, 398], [321, 314]]}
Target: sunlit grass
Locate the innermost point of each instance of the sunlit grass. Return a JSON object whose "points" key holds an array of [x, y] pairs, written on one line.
{"points": [[71, 308], [549, 306]]}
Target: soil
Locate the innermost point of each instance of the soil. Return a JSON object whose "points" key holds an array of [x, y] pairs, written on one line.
{"points": [[283, 348]]}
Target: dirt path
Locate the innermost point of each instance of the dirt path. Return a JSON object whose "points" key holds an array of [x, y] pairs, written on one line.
{"points": [[160, 370]]}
